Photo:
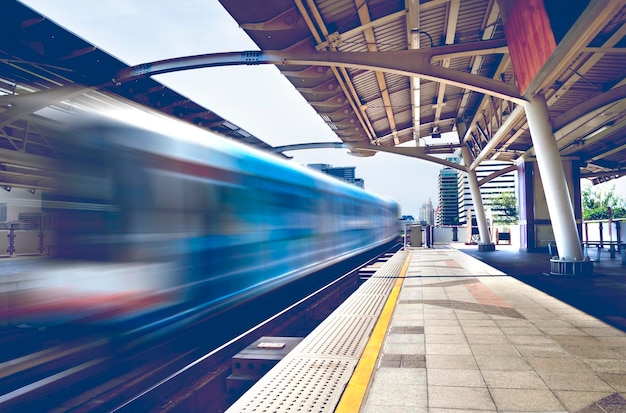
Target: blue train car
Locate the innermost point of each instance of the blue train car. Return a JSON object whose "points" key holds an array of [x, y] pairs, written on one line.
{"points": [[157, 217]]}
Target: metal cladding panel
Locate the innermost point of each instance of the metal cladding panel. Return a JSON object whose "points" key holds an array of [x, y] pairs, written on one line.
{"points": [[397, 83], [617, 140], [471, 22], [404, 119], [489, 65], [453, 98], [400, 101], [463, 64], [432, 26], [353, 44], [382, 8], [568, 99], [608, 71], [381, 125], [366, 85], [406, 135], [339, 15], [375, 110], [428, 96], [391, 36]]}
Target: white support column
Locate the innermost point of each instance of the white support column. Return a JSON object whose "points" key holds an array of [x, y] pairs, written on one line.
{"points": [[477, 200], [553, 180]]}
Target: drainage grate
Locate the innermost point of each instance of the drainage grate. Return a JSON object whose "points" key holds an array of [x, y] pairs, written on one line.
{"points": [[312, 377]]}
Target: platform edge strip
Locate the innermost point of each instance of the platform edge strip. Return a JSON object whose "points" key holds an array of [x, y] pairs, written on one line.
{"points": [[354, 394]]}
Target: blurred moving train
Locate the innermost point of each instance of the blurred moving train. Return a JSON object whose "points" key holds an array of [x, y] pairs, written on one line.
{"points": [[157, 220]]}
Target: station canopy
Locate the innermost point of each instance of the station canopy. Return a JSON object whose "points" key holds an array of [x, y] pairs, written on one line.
{"points": [[388, 75]]}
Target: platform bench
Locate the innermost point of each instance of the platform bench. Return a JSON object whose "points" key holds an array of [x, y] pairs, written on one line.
{"points": [[613, 246]]}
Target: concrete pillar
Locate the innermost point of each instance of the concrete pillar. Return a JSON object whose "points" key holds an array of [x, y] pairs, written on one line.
{"points": [[553, 179], [477, 200]]}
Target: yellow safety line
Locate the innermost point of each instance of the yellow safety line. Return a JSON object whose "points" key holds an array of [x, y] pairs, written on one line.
{"points": [[353, 396]]}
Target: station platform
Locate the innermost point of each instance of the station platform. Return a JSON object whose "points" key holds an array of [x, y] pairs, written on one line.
{"points": [[451, 329]]}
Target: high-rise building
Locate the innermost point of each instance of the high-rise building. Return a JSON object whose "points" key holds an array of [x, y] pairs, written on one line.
{"points": [[448, 197], [343, 173], [322, 167], [488, 191], [427, 213]]}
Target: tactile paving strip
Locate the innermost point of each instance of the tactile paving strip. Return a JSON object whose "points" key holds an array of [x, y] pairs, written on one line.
{"points": [[339, 337], [313, 376], [298, 385], [368, 304]]}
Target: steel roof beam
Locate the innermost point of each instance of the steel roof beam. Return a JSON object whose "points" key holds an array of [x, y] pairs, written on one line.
{"points": [[312, 145], [419, 152], [402, 62], [27, 160], [23, 105]]}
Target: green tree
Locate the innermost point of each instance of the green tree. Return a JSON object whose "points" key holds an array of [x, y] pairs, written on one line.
{"points": [[596, 201], [505, 205]]}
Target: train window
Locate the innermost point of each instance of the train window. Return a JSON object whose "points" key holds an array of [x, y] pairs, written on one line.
{"points": [[83, 206]]}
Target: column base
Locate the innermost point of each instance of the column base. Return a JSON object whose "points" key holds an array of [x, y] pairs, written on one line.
{"points": [[486, 247], [567, 267]]}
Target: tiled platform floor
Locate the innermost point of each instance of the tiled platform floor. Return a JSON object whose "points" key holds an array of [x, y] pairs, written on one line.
{"points": [[466, 337], [602, 295]]}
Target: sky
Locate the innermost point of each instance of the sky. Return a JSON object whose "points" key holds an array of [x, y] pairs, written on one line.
{"points": [[256, 98]]}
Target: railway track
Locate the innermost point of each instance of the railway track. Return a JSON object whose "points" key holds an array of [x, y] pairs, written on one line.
{"points": [[185, 371]]}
